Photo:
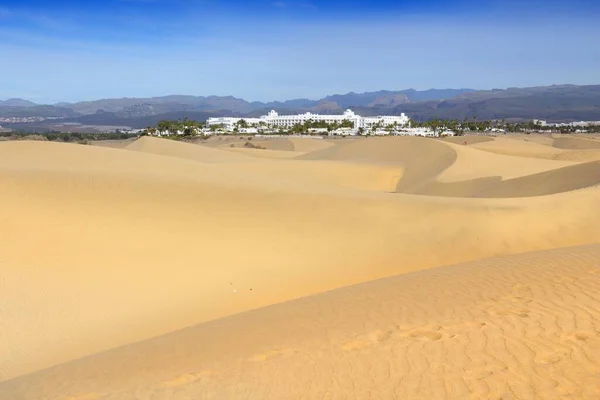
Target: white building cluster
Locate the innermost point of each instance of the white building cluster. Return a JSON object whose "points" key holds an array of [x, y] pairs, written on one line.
{"points": [[274, 120], [567, 124]]}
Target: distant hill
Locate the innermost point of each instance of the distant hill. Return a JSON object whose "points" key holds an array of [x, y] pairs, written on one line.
{"points": [[160, 105], [562, 103], [17, 103], [556, 103], [44, 111], [392, 98]]}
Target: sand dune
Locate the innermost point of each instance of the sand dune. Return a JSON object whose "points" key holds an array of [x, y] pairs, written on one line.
{"points": [[558, 148], [468, 139], [183, 150], [565, 179], [539, 138], [525, 326], [422, 159], [291, 144], [309, 145], [522, 148], [445, 169], [579, 155], [325, 175], [117, 144], [472, 163], [576, 143], [104, 247], [263, 153], [281, 145]]}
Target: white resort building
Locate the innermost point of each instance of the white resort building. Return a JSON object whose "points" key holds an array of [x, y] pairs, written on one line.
{"points": [[274, 120]]}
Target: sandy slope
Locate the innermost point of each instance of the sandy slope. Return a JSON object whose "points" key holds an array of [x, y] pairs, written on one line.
{"points": [[579, 155], [539, 138], [468, 139], [576, 143], [560, 148], [282, 145], [263, 153], [574, 177], [422, 159], [472, 163], [117, 143], [309, 145], [182, 150], [517, 327], [101, 247], [522, 148], [291, 144]]}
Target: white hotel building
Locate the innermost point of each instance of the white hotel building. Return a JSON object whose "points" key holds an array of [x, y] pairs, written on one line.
{"points": [[274, 120]]}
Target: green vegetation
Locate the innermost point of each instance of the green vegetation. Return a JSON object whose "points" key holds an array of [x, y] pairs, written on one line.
{"points": [[187, 126]]}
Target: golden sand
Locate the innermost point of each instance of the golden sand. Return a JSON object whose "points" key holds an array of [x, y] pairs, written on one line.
{"points": [[525, 326], [106, 247]]}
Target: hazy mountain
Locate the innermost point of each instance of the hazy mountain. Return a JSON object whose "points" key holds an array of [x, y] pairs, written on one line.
{"points": [[17, 103], [166, 104], [160, 105], [43, 111], [553, 103], [288, 104], [434, 94]]}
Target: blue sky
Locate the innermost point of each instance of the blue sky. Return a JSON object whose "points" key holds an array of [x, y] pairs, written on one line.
{"points": [[263, 50]]}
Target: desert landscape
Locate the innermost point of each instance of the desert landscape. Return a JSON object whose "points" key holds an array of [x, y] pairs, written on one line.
{"points": [[299, 268]]}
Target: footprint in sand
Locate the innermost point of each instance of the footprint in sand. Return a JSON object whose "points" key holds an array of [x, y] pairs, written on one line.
{"points": [[185, 379], [367, 340], [271, 354], [547, 359], [565, 279], [425, 334], [582, 336], [522, 293], [519, 312], [485, 371]]}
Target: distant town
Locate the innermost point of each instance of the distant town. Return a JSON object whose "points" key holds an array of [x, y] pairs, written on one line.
{"points": [[312, 124], [351, 124]]}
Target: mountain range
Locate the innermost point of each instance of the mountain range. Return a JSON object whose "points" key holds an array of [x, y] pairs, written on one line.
{"points": [[554, 103]]}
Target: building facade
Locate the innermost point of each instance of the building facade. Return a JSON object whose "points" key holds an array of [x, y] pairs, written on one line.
{"points": [[274, 120]]}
